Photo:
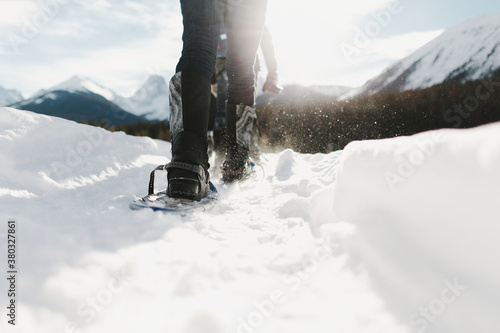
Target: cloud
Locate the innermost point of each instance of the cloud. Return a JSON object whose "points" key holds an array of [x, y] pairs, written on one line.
{"points": [[82, 25], [119, 42], [319, 9], [307, 35], [107, 37], [383, 52], [327, 65], [398, 47], [12, 12]]}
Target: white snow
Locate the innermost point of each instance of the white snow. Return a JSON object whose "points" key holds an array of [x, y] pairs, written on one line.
{"points": [[474, 42], [397, 235]]}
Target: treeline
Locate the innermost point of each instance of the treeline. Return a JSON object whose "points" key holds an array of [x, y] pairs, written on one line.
{"points": [[312, 127]]}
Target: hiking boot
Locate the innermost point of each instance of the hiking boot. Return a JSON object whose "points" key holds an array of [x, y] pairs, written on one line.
{"points": [[237, 166], [188, 175], [241, 140]]}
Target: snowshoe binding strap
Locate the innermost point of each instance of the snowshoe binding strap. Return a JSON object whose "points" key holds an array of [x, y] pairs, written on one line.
{"points": [[151, 187], [198, 169]]}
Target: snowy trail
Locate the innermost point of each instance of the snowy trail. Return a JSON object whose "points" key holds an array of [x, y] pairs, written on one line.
{"points": [[319, 245], [198, 273]]}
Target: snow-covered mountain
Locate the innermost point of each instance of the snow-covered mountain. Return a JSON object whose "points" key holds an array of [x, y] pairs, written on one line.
{"points": [[79, 99], [384, 236], [9, 96], [467, 51], [149, 101], [82, 84]]}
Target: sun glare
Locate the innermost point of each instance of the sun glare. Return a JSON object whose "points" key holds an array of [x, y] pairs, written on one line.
{"points": [[307, 34]]}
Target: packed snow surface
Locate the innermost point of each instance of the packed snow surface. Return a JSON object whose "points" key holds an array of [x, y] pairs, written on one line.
{"points": [[394, 236]]}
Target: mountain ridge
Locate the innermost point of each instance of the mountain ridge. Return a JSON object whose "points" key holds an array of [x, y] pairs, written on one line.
{"points": [[469, 50], [80, 105]]}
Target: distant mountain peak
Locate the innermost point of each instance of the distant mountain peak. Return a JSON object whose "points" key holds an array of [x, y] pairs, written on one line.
{"points": [[153, 86], [150, 100], [80, 99], [80, 83], [469, 50], [156, 79], [9, 96]]}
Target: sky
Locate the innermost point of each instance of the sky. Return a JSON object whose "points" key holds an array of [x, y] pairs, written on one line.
{"points": [[119, 43]]}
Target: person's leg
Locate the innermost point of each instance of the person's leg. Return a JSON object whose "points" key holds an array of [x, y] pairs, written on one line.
{"points": [[220, 119], [201, 20], [244, 23], [190, 99]]}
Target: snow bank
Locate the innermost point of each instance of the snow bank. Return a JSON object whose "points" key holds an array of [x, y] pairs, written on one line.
{"points": [[393, 236], [426, 213], [89, 264]]}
